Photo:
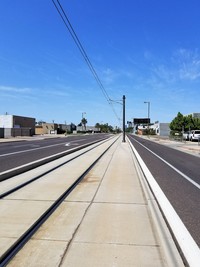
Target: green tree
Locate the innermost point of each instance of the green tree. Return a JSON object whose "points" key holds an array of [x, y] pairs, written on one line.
{"points": [[129, 130], [98, 125], [177, 123], [84, 122], [104, 128], [196, 123], [184, 123]]}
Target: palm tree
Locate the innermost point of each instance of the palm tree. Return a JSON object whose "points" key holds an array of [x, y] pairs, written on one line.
{"points": [[84, 122]]}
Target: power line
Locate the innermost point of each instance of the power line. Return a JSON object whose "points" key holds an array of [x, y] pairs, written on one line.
{"points": [[80, 47], [74, 36]]}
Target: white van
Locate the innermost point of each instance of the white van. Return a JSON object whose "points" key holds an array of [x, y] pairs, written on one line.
{"points": [[195, 135]]}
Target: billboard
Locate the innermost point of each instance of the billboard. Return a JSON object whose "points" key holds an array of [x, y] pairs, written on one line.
{"points": [[141, 120]]}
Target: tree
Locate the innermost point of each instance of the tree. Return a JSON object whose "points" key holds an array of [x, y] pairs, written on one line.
{"points": [[84, 122], [184, 123], [177, 123], [98, 125], [129, 129], [104, 128]]}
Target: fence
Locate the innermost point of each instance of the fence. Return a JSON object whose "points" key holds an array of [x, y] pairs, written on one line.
{"points": [[13, 132]]}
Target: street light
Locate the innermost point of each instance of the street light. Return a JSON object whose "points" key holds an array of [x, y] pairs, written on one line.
{"points": [[148, 102]]}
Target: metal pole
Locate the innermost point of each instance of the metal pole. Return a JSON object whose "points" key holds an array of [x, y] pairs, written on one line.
{"points": [[124, 118], [148, 103], [148, 115]]}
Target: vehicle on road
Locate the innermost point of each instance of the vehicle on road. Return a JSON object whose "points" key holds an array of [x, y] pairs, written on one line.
{"points": [[194, 135]]}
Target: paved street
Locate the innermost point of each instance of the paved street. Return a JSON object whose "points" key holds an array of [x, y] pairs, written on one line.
{"points": [[177, 173], [17, 153]]}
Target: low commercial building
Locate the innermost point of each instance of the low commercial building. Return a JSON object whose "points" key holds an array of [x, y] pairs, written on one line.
{"points": [[53, 128], [88, 129], [161, 128], [46, 128], [194, 115], [158, 128], [13, 125]]}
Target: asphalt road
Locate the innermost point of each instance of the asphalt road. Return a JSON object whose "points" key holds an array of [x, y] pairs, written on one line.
{"points": [[15, 154], [178, 175]]}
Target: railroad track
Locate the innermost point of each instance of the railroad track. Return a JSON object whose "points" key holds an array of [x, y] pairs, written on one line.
{"points": [[29, 199]]}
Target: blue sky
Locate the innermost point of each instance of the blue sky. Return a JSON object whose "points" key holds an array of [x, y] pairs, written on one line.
{"points": [[145, 50]]}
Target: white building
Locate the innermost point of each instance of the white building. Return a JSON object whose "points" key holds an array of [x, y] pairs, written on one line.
{"points": [[161, 128], [90, 129], [194, 115], [12, 125]]}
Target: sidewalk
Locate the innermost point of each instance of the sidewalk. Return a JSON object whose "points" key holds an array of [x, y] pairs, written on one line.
{"points": [[119, 228]]}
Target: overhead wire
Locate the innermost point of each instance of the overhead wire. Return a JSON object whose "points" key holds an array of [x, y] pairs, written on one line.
{"points": [[74, 36]]}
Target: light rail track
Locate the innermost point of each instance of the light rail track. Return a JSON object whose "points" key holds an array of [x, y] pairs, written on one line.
{"points": [[52, 203]]}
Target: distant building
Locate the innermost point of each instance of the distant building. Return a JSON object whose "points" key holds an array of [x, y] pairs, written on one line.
{"points": [[194, 115], [161, 128], [13, 125], [53, 128], [88, 129], [46, 128], [140, 129]]}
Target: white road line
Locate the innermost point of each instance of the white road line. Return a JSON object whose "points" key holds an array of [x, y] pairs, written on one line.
{"points": [[68, 144], [38, 148], [175, 169], [22, 151], [187, 244]]}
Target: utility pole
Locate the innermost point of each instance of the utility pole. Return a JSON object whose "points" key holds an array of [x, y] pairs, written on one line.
{"points": [[148, 102], [124, 118]]}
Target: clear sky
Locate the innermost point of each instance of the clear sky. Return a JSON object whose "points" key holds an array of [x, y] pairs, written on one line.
{"points": [[147, 50]]}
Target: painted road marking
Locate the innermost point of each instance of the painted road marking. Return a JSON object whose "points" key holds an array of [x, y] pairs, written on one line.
{"points": [[170, 165], [38, 148]]}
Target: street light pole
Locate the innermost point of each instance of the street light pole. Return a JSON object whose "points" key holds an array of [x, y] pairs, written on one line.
{"points": [[148, 102]]}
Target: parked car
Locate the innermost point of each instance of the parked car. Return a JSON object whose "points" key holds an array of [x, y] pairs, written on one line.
{"points": [[186, 136], [194, 135]]}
